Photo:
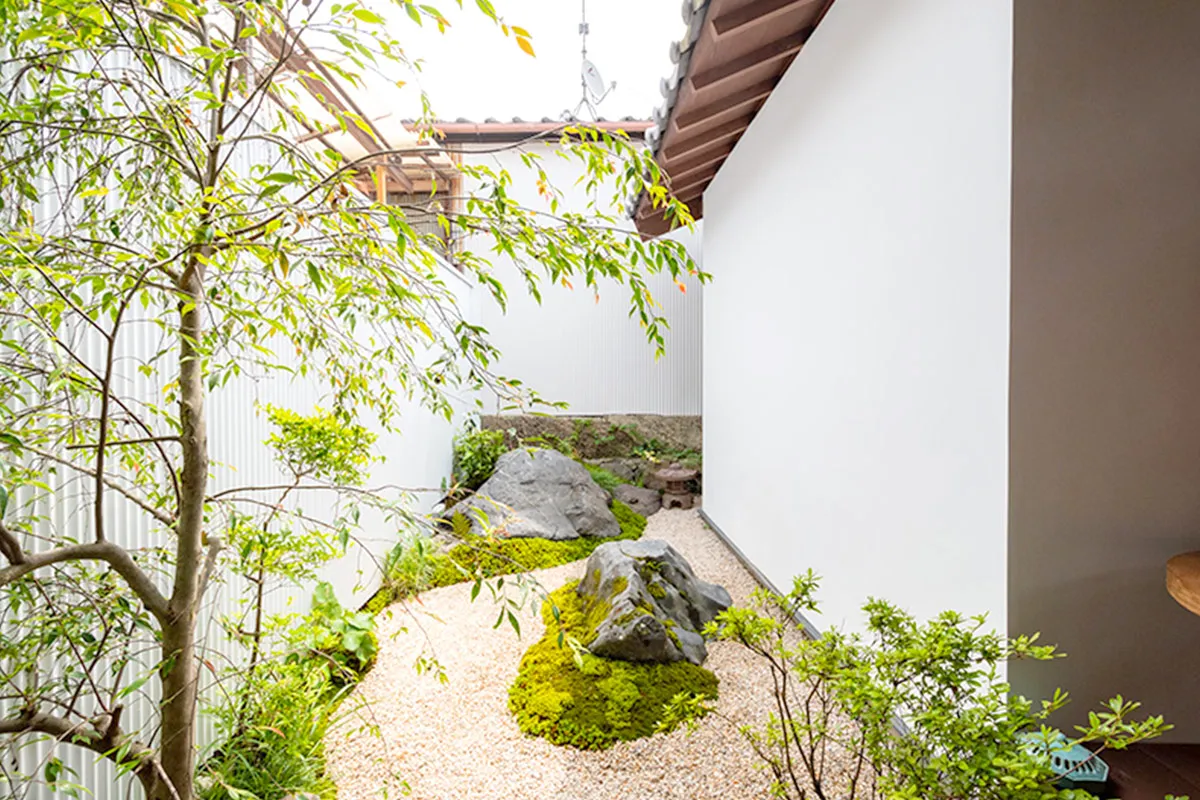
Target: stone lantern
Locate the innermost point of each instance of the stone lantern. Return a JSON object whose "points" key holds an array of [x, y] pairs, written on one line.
{"points": [[675, 486]]}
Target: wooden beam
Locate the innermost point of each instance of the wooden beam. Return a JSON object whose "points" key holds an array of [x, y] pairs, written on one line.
{"points": [[736, 100], [381, 182], [700, 141], [754, 12], [654, 223], [769, 53], [698, 180], [703, 158]]}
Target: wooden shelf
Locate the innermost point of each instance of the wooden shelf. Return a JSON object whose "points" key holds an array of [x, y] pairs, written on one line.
{"points": [[1183, 580]]}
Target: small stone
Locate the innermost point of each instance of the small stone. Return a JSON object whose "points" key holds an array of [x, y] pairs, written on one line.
{"points": [[655, 605], [643, 501]]}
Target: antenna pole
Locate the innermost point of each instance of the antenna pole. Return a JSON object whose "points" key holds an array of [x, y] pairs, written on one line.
{"points": [[583, 34]]}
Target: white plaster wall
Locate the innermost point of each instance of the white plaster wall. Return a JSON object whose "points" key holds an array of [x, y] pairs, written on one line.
{"points": [[856, 330], [1105, 453], [591, 354]]}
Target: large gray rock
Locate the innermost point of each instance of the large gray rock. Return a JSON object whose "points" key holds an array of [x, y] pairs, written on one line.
{"points": [[643, 501], [655, 606], [540, 493]]}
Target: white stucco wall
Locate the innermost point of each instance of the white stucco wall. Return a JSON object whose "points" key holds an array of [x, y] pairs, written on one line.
{"points": [[856, 331], [1105, 450], [592, 355]]}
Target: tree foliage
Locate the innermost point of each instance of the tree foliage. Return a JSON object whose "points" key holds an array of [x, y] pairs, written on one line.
{"points": [[154, 190]]}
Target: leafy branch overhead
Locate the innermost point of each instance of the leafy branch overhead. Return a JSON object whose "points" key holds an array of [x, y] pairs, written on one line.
{"points": [[173, 230]]}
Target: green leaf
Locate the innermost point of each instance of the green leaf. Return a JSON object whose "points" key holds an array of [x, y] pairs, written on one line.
{"points": [[368, 16], [4, 502]]}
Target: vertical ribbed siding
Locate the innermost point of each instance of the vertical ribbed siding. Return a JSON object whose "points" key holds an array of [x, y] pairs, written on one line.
{"points": [[417, 459]]}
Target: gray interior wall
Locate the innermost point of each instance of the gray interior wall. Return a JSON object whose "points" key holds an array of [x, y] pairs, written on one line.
{"points": [[1105, 361]]}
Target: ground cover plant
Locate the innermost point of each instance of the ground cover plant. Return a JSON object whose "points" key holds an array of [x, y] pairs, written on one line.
{"points": [[153, 182], [832, 730], [571, 697], [415, 566]]}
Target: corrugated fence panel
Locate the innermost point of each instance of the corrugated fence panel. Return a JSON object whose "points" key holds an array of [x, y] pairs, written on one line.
{"points": [[414, 464]]}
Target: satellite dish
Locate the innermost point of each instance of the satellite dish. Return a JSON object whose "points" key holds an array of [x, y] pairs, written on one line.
{"points": [[593, 87], [592, 80]]}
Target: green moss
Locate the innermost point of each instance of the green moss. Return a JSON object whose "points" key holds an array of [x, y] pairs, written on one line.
{"points": [[619, 585], [656, 590], [596, 703], [632, 523], [486, 557], [378, 602]]}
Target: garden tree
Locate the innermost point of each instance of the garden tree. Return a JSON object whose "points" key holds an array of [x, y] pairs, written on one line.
{"points": [[153, 190]]}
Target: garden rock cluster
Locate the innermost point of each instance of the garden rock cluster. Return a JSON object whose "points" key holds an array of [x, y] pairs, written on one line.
{"points": [[539, 493], [646, 604]]}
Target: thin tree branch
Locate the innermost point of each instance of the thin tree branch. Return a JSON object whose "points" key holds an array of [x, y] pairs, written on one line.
{"points": [[116, 557]]}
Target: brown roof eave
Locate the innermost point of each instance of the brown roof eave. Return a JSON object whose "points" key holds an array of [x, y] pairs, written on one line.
{"points": [[727, 65]]}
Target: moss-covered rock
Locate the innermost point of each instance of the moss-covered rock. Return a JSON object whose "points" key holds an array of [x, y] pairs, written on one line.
{"points": [[589, 702]]}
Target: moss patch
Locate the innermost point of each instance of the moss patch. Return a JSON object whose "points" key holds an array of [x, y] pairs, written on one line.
{"points": [[487, 556], [597, 702]]}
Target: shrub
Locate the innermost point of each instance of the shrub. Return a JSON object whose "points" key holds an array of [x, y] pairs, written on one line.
{"points": [[603, 478], [572, 697], [965, 736], [475, 455], [407, 569], [342, 639], [274, 737]]}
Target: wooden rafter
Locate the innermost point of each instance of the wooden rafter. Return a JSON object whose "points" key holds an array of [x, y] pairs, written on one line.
{"points": [[737, 51], [755, 12], [776, 50], [752, 95]]}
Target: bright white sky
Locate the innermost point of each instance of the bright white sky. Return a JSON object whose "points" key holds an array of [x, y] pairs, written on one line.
{"points": [[474, 71]]}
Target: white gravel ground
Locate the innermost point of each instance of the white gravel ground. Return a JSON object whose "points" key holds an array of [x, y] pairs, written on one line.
{"points": [[458, 739]]}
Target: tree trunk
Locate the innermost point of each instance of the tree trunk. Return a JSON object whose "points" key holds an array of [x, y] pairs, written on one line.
{"points": [[178, 743], [180, 674]]}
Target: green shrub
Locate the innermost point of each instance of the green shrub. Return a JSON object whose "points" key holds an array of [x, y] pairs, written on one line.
{"points": [[966, 730], [274, 732], [408, 568], [571, 697], [344, 640], [475, 454], [603, 478]]}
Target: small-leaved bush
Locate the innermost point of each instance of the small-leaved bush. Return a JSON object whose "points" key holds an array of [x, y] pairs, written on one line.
{"points": [[833, 725], [475, 455], [571, 697]]}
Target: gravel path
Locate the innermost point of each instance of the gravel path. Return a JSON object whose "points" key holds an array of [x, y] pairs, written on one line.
{"points": [[458, 740]]}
